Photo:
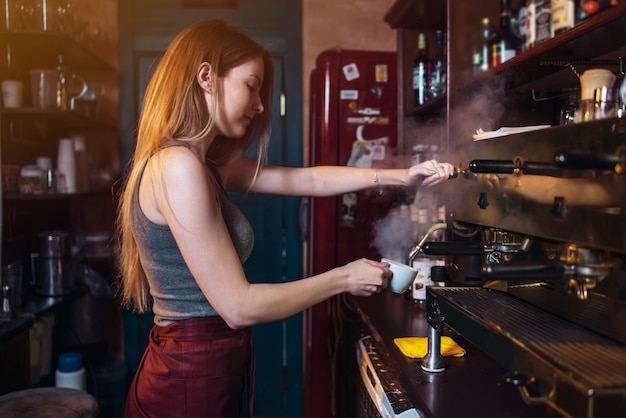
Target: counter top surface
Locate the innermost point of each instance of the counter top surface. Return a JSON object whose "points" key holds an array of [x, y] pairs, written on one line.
{"points": [[471, 386], [32, 308]]}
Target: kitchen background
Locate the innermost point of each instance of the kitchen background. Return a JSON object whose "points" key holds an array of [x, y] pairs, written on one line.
{"points": [[114, 46], [117, 44]]}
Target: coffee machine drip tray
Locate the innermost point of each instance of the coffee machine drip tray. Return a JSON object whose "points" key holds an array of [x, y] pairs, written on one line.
{"points": [[574, 370]]}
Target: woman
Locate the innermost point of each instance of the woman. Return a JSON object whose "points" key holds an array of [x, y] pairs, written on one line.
{"points": [[183, 241]]}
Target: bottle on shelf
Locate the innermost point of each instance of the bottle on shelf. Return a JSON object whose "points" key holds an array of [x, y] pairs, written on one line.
{"points": [[505, 43], [476, 65], [521, 26], [6, 312], [563, 15], [421, 70], [423, 263], [531, 29], [588, 8], [439, 67], [543, 21], [486, 30]]}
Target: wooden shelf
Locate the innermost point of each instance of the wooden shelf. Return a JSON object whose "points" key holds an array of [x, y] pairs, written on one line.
{"points": [[599, 37], [56, 117], [15, 196], [431, 108], [40, 49], [415, 14]]}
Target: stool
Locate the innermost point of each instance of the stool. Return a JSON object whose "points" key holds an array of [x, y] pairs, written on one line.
{"points": [[48, 402]]}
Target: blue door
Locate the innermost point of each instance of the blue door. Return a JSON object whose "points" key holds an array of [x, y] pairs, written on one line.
{"points": [[278, 345]]}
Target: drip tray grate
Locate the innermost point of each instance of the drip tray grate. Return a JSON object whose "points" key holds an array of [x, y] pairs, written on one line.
{"points": [[565, 358]]}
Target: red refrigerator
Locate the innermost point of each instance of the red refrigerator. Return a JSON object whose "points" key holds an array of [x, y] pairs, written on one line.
{"points": [[353, 113]]}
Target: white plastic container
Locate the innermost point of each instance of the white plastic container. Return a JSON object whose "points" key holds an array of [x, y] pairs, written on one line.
{"points": [[71, 373]]}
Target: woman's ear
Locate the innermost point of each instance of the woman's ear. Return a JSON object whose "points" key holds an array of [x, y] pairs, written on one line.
{"points": [[205, 77]]}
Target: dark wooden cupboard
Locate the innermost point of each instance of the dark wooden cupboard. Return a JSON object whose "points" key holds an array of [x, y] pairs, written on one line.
{"points": [[525, 90]]}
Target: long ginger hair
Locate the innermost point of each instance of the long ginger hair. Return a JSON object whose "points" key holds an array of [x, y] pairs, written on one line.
{"points": [[174, 111]]}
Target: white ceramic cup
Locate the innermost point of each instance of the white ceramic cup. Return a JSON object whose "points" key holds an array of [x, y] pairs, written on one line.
{"points": [[403, 276], [12, 91]]}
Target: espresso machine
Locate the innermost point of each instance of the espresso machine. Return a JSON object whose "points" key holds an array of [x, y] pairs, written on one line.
{"points": [[544, 212]]}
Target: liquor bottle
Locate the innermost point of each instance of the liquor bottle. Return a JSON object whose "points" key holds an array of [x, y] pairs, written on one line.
{"points": [[486, 31], [543, 21], [420, 71], [505, 43], [563, 15], [531, 29], [521, 18], [476, 62], [423, 263], [588, 8], [438, 73]]}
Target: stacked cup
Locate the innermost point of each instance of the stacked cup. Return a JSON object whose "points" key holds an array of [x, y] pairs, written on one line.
{"points": [[12, 93], [66, 165]]}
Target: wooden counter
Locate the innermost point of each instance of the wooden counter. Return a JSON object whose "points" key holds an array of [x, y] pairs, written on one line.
{"points": [[471, 386]]}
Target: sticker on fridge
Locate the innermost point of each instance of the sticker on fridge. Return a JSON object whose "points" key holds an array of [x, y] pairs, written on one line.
{"points": [[382, 75], [349, 95], [351, 72]]}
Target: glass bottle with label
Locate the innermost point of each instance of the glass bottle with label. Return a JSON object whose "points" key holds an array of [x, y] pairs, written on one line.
{"points": [[438, 74], [420, 71], [563, 15], [486, 31], [423, 265], [543, 21], [505, 43], [531, 30], [521, 27], [5, 304]]}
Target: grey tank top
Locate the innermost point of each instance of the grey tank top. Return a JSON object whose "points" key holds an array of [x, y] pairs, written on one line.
{"points": [[175, 293]]}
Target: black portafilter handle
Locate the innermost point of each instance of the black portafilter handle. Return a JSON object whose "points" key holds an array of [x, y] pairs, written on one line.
{"points": [[510, 167], [492, 166], [452, 248], [522, 271], [584, 160], [541, 169]]}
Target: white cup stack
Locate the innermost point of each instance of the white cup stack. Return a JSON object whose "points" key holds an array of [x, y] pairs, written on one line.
{"points": [[66, 165], [82, 166]]}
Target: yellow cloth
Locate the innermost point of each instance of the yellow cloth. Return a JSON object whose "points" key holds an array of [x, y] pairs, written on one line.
{"points": [[417, 347]]}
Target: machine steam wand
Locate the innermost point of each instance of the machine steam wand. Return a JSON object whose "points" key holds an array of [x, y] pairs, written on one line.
{"points": [[418, 248]]}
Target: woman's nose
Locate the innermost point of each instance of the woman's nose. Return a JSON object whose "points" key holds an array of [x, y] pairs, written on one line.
{"points": [[259, 107]]}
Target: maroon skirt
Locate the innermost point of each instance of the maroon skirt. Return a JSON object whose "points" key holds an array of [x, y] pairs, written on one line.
{"points": [[193, 368]]}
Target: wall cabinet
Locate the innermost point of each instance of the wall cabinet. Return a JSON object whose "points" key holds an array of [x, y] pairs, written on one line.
{"points": [[525, 90], [27, 133]]}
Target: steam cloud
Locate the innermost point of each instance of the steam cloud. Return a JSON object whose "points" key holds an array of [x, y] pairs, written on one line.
{"points": [[394, 234]]}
